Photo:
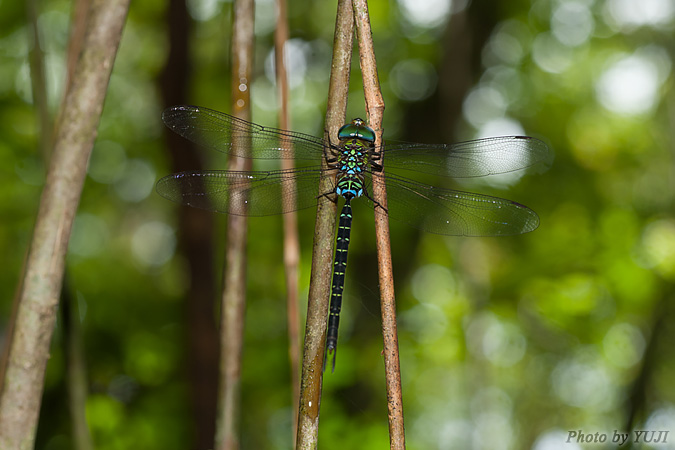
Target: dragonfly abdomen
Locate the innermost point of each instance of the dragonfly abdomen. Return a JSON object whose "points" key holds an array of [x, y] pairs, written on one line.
{"points": [[339, 268]]}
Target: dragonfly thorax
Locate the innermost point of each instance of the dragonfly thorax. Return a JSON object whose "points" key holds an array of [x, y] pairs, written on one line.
{"points": [[356, 140], [351, 164]]}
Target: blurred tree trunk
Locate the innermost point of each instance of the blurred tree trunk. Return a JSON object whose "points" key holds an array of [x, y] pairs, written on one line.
{"points": [[195, 241], [437, 118], [38, 299], [456, 74]]}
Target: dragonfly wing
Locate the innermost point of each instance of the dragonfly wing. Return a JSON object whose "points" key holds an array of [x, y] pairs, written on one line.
{"points": [[456, 213], [265, 193], [231, 135], [468, 159]]}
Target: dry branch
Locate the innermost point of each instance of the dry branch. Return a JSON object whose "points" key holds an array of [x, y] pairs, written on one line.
{"points": [[233, 303], [291, 240], [375, 111], [322, 251], [38, 300]]}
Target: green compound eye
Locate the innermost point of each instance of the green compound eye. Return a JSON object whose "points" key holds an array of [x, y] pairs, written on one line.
{"points": [[357, 130]]}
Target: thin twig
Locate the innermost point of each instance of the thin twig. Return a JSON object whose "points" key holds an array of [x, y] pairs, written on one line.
{"points": [[76, 372], [375, 110], [291, 242], [29, 351], [37, 69], [234, 289], [322, 251], [79, 20]]}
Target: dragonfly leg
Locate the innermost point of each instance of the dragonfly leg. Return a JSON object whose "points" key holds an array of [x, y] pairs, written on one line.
{"points": [[331, 196], [376, 204]]}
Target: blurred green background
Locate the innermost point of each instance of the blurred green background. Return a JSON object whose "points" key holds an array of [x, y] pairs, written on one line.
{"points": [[506, 343]]}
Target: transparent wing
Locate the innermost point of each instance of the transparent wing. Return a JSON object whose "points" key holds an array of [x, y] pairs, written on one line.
{"points": [[266, 193], [218, 131], [468, 159], [456, 213]]}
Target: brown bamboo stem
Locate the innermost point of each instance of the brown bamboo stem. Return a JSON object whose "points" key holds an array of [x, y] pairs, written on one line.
{"points": [[375, 111], [29, 351], [291, 240], [322, 251], [233, 306]]}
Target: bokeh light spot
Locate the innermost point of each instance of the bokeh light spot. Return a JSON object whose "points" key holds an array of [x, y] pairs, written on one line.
{"points": [[153, 243], [426, 13], [555, 440], [501, 343], [89, 236], [631, 85], [572, 23], [137, 181], [623, 345], [413, 79], [658, 247], [629, 14], [583, 382], [550, 54], [483, 104]]}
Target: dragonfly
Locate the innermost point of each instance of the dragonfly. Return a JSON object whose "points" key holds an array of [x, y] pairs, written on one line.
{"points": [[353, 162]]}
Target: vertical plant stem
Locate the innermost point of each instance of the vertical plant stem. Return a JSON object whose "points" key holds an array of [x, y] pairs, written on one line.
{"points": [[375, 110], [76, 373], [324, 231], [38, 301], [233, 306], [78, 20], [291, 243], [37, 70]]}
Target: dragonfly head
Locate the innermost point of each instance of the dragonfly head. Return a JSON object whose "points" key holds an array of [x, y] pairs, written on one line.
{"points": [[357, 129]]}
